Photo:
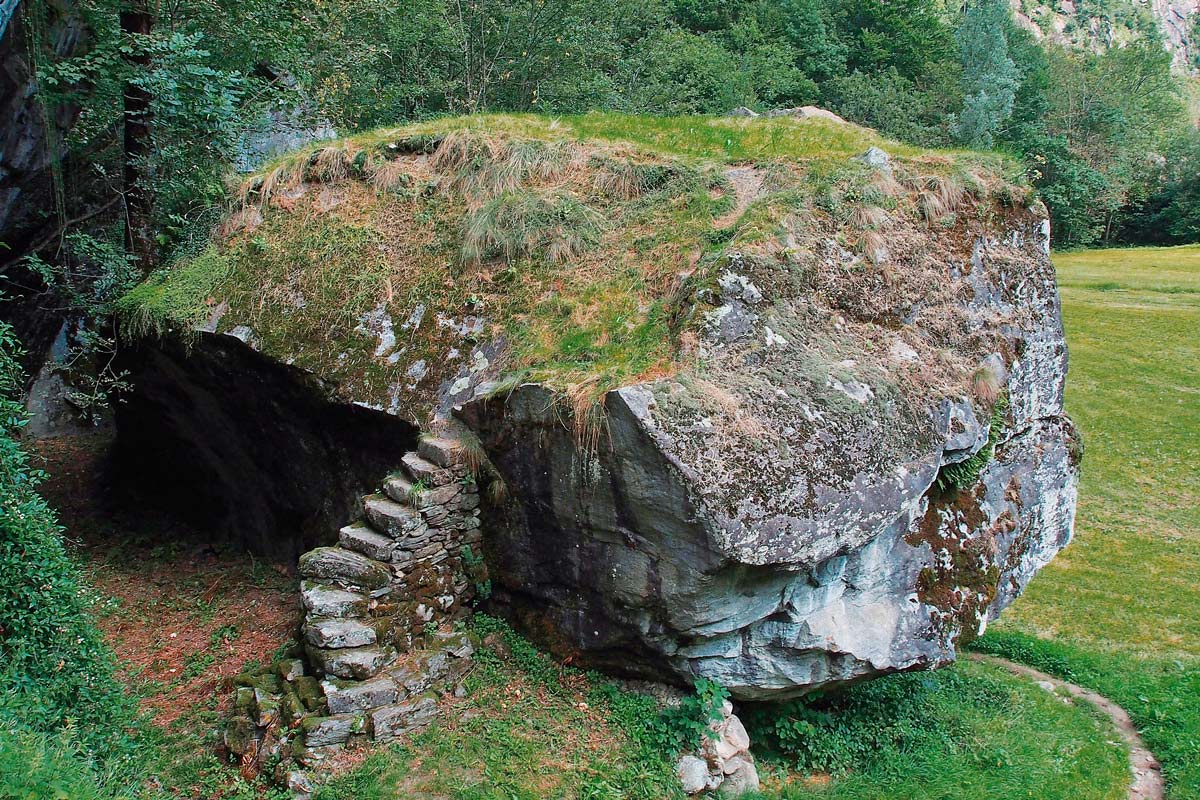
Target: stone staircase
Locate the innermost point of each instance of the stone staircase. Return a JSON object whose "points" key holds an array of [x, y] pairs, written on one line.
{"points": [[379, 607]]}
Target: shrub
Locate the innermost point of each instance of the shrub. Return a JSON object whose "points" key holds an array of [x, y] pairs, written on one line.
{"points": [[59, 693], [868, 724]]}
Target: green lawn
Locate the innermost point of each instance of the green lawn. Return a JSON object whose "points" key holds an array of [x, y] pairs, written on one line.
{"points": [[1119, 610], [531, 730]]}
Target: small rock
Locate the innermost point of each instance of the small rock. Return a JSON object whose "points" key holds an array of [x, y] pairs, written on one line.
{"points": [[495, 642], [299, 784], [693, 774], [876, 159], [290, 669], [240, 734], [733, 738], [742, 111], [741, 776]]}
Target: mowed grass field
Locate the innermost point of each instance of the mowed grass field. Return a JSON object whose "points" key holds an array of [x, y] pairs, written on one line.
{"points": [[1119, 610]]}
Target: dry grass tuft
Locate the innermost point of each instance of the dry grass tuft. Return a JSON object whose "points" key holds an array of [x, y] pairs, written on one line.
{"points": [[620, 180], [333, 164], [388, 175], [937, 196], [483, 167], [587, 414], [524, 224], [986, 386], [865, 217]]}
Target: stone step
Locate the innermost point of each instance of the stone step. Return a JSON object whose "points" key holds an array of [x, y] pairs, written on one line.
{"points": [[348, 696], [345, 566], [323, 600], [403, 491], [414, 713], [437, 451], [389, 517], [362, 538], [336, 633], [331, 730], [424, 471], [357, 663]]}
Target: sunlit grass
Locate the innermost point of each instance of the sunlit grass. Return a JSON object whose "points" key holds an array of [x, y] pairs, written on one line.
{"points": [[1124, 600]]}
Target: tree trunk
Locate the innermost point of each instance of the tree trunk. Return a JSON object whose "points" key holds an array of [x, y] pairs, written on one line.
{"points": [[137, 20]]}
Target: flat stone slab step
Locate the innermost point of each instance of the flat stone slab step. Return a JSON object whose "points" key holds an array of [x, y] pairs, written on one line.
{"points": [[338, 563], [349, 696], [331, 730], [335, 633], [357, 663], [403, 491], [388, 516], [362, 538], [323, 600], [424, 471], [438, 451], [391, 722]]}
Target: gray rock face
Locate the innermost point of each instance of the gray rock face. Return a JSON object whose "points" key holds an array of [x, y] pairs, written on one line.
{"points": [[773, 520]]}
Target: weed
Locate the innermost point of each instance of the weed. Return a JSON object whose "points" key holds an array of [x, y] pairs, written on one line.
{"points": [[195, 664], [962, 475], [527, 224], [223, 635]]}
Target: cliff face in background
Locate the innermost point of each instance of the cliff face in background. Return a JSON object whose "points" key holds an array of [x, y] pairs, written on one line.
{"points": [[1099, 24]]}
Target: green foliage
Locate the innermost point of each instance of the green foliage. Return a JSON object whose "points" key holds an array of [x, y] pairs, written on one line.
{"points": [[962, 475], [51, 766], [685, 725], [990, 77], [474, 564], [56, 672]]}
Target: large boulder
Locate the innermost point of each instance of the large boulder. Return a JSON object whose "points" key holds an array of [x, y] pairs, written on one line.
{"points": [[786, 514], [782, 422]]}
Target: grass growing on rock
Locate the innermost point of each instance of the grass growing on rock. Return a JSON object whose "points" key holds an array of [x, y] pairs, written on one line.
{"points": [[1116, 611], [380, 261]]}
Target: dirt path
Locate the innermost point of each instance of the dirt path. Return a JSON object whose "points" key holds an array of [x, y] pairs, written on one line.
{"points": [[747, 184], [1147, 774]]}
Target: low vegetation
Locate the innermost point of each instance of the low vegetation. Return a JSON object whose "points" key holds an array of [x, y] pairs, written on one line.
{"points": [[66, 724], [1116, 611], [575, 240], [533, 729]]}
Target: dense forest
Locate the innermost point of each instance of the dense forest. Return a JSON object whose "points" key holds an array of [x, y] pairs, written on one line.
{"points": [[1107, 137]]}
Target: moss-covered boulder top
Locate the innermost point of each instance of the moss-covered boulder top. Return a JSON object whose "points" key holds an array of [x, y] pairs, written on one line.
{"points": [[577, 247]]}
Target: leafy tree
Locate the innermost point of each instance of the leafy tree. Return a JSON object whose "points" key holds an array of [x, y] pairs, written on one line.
{"points": [[990, 78]]}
